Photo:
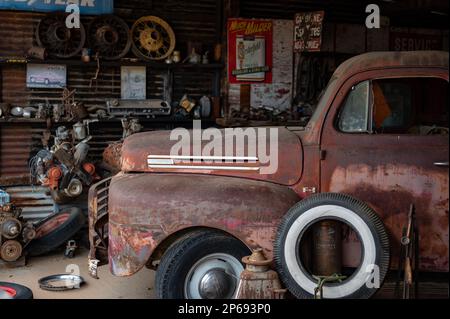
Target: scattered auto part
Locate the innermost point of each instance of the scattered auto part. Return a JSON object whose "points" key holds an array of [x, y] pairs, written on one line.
{"points": [[70, 249], [60, 41], [201, 265], [14, 291], [29, 112], [10, 228], [152, 38], [78, 112], [4, 197], [193, 57], [109, 37], [37, 53], [10, 250], [93, 268], [56, 230], [64, 168], [15, 233], [61, 282], [205, 107], [149, 108], [187, 103], [16, 111], [79, 131], [258, 281], [329, 206], [130, 126]]}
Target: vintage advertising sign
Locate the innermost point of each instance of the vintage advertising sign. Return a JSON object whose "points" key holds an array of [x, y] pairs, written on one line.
{"points": [[250, 51], [90, 7], [308, 31], [409, 41], [47, 76], [133, 82]]}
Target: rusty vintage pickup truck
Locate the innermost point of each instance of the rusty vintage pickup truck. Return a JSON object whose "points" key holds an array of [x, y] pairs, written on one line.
{"points": [[339, 200]]}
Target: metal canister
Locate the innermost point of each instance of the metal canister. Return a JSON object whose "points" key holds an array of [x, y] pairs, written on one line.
{"points": [[79, 131], [327, 248]]}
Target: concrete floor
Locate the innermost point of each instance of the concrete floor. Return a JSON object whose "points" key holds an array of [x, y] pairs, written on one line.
{"points": [[138, 286]]}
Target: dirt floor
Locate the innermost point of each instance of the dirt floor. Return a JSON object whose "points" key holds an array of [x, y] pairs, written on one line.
{"points": [[139, 286]]}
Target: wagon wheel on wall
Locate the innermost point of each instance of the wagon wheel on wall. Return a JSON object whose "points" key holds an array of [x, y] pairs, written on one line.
{"points": [[152, 38], [109, 36], [60, 41]]}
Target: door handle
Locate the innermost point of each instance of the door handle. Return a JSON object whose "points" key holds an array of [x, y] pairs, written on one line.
{"points": [[441, 164]]}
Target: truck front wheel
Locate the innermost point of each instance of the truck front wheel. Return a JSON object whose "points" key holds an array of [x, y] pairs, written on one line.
{"points": [[201, 265]]}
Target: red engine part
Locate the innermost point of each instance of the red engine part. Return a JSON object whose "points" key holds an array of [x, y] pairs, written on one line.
{"points": [[54, 175], [90, 169]]}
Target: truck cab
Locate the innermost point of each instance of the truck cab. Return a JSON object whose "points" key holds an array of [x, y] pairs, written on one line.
{"points": [[375, 148]]}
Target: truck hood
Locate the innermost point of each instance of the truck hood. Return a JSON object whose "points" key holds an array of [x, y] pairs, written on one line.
{"points": [[270, 154]]}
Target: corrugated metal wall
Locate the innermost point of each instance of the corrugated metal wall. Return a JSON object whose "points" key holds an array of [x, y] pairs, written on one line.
{"points": [[18, 142]]}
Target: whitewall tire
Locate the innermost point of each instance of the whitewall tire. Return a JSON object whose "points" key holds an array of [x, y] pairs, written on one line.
{"points": [[374, 263]]}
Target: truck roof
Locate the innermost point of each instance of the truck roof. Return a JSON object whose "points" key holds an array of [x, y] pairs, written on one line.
{"points": [[377, 60]]}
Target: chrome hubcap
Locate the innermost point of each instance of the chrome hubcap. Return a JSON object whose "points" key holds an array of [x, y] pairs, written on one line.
{"points": [[216, 284], [215, 276]]}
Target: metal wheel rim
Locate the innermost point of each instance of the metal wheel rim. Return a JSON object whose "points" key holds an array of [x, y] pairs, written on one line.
{"points": [[226, 262], [122, 30], [11, 250], [44, 42], [149, 33]]}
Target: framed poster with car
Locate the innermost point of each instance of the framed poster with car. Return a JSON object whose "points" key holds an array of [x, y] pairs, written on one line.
{"points": [[47, 76], [250, 51]]}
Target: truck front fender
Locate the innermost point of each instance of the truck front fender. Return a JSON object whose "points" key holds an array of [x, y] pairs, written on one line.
{"points": [[144, 209]]}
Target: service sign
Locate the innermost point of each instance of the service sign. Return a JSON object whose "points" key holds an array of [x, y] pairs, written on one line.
{"points": [[89, 7], [250, 51], [308, 31]]}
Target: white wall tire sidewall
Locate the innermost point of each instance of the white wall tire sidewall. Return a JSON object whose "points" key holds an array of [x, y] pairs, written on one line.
{"points": [[363, 274]]}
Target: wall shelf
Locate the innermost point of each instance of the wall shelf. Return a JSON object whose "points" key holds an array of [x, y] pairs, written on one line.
{"points": [[155, 65]]}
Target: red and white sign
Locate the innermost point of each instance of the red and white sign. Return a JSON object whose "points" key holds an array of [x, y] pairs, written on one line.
{"points": [[250, 51]]}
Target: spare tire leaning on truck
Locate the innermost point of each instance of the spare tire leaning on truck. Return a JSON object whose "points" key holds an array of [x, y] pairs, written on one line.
{"points": [[331, 206]]}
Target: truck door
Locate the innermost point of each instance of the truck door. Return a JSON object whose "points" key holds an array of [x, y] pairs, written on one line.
{"points": [[385, 141]]}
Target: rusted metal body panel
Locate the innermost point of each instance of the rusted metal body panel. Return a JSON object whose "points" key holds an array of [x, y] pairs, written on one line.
{"points": [[388, 172], [145, 208], [138, 147]]}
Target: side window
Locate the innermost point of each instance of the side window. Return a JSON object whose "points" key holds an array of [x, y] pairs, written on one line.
{"points": [[354, 117], [414, 106]]}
